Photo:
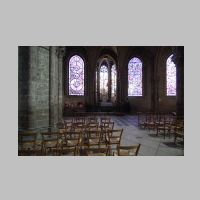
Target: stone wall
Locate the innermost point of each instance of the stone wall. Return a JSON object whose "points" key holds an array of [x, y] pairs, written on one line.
{"points": [[43, 81], [154, 77]]}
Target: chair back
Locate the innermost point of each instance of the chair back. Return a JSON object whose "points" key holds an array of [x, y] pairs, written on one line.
{"points": [[97, 151], [114, 136], [128, 150], [27, 140], [72, 138]]}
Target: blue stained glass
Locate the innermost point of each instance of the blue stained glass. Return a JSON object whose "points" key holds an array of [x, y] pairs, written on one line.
{"points": [[76, 76], [135, 77]]}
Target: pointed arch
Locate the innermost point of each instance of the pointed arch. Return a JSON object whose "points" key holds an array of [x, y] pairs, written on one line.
{"points": [[135, 77], [170, 76], [76, 76]]}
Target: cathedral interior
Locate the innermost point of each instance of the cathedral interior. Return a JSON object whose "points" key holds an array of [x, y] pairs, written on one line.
{"points": [[100, 100]]}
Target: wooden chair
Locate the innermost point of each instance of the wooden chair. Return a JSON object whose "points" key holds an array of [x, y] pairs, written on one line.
{"points": [[164, 128], [150, 121], [127, 150], [92, 119], [107, 126], [104, 119], [78, 126], [178, 135], [79, 120], [114, 137], [68, 123], [71, 143], [72, 138], [27, 144], [92, 126], [141, 120], [68, 151], [61, 127], [179, 131], [50, 143], [97, 151], [93, 138]]}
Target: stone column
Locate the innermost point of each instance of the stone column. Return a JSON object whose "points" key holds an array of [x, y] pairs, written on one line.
{"points": [[179, 61], [109, 83], [23, 86], [33, 63], [119, 87], [60, 82], [98, 85], [53, 87]]}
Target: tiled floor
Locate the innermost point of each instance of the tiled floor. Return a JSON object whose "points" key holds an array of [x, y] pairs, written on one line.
{"points": [[151, 145]]}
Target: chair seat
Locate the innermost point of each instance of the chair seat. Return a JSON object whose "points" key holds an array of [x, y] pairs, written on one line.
{"points": [[50, 144], [94, 141], [27, 145], [72, 142], [180, 134], [96, 154], [124, 152], [62, 130], [114, 140], [69, 151]]}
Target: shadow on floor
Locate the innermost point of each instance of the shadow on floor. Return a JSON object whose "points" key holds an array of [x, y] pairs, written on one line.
{"points": [[178, 145], [152, 135]]}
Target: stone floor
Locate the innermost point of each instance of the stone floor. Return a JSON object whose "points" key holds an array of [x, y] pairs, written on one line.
{"points": [[151, 145]]}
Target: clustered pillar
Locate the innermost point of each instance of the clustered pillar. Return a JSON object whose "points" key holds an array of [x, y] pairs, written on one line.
{"points": [[53, 87], [179, 60], [60, 82]]}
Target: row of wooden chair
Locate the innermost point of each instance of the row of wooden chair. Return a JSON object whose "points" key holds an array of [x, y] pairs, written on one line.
{"points": [[165, 124], [82, 126], [151, 120], [73, 142], [60, 140], [89, 119]]}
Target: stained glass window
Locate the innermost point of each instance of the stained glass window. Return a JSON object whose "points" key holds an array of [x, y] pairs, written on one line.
{"points": [[104, 83], [76, 76], [135, 77], [171, 77], [114, 82]]}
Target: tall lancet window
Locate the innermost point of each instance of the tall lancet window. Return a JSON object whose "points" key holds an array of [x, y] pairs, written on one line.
{"points": [[114, 83], [171, 77], [135, 77], [76, 76], [104, 83]]}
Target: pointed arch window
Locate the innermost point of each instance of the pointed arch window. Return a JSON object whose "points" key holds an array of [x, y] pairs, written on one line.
{"points": [[171, 77], [135, 77], [104, 83], [113, 83], [76, 76]]}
